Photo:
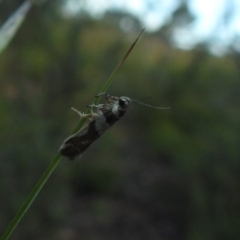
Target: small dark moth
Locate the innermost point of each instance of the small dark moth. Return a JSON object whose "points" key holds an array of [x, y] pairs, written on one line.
{"points": [[105, 116]]}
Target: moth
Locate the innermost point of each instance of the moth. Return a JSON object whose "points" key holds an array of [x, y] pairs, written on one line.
{"points": [[100, 120]]}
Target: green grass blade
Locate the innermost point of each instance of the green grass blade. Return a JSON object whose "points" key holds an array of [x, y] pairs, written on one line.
{"points": [[110, 79], [56, 160], [31, 198], [10, 27]]}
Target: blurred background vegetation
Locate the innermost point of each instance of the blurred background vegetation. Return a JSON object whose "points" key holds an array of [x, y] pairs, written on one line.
{"points": [[170, 174]]}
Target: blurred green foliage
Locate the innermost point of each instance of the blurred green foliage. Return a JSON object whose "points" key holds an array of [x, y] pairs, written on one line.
{"points": [[170, 174]]}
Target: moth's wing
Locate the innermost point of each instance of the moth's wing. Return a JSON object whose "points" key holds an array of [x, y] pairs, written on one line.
{"points": [[74, 146]]}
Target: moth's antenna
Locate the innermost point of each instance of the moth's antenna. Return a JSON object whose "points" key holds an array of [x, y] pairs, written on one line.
{"points": [[147, 105]]}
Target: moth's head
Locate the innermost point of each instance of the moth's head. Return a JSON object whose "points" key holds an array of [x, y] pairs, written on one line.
{"points": [[121, 106], [124, 102]]}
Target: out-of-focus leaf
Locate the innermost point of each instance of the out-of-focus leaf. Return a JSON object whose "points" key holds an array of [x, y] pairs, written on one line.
{"points": [[9, 28]]}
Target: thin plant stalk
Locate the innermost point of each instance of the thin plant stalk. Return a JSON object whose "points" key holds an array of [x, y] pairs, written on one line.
{"points": [[37, 188], [108, 82]]}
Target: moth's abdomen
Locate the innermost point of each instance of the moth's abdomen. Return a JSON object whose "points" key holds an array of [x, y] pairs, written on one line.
{"points": [[73, 147]]}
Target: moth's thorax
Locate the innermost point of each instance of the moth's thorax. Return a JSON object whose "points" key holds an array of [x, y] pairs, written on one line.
{"points": [[115, 109], [101, 124]]}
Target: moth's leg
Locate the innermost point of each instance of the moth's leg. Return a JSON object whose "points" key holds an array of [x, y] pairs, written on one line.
{"points": [[108, 98], [99, 109], [90, 116], [96, 106], [93, 115], [81, 114], [101, 94]]}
